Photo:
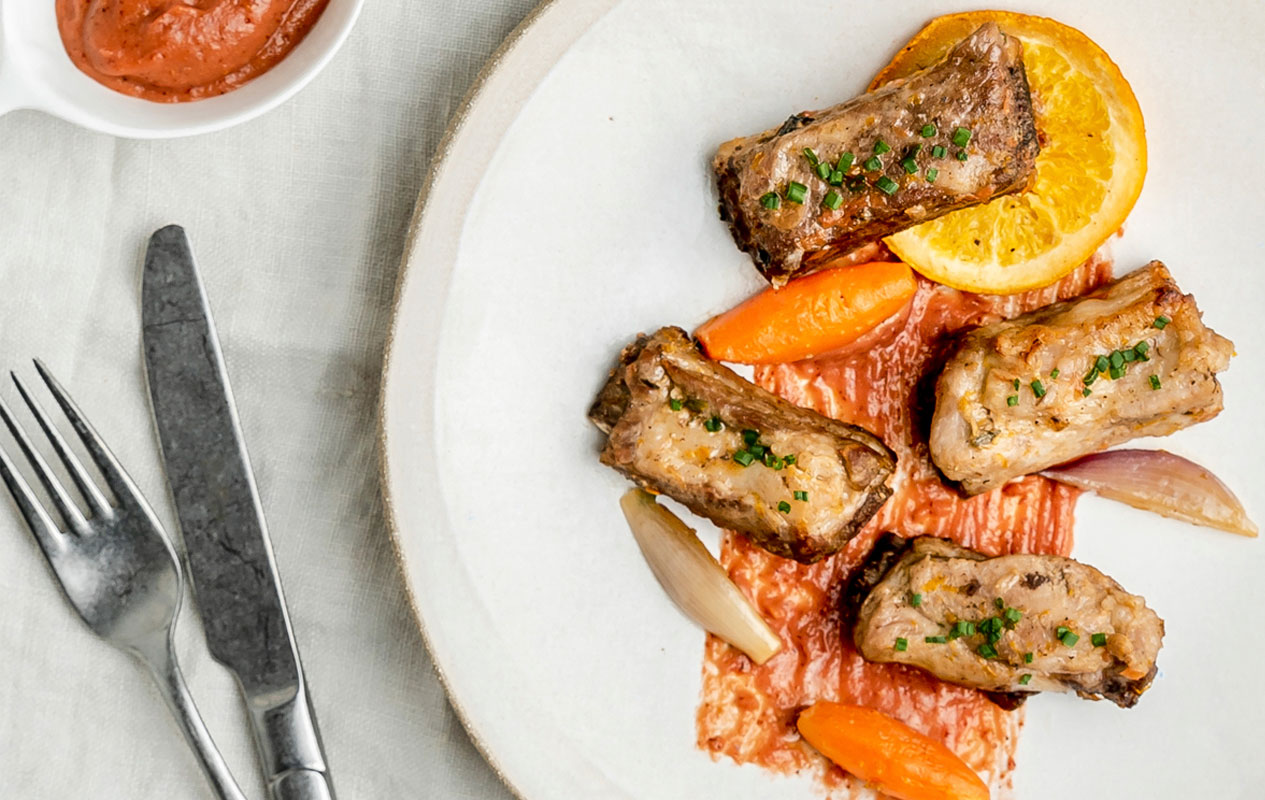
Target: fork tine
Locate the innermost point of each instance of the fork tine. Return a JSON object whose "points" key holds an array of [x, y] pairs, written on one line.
{"points": [[115, 477], [37, 519], [87, 486], [65, 506]]}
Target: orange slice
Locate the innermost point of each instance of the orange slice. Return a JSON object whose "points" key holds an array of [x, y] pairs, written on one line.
{"points": [[1088, 175]]}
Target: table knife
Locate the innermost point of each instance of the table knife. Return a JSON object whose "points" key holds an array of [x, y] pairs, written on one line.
{"points": [[235, 584]]}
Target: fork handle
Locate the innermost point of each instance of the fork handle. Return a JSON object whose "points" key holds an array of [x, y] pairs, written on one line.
{"points": [[166, 672]]}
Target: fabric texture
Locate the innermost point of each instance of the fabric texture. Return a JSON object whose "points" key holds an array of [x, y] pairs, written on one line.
{"points": [[298, 220]]}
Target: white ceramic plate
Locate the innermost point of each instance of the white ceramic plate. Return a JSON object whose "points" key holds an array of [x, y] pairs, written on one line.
{"points": [[572, 207]]}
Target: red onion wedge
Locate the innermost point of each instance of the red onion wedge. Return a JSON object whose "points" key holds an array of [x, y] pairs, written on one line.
{"points": [[1157, 480]]}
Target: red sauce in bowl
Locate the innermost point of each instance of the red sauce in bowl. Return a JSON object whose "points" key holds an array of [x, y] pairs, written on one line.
{"points": [[172, 51], [747, 711]]}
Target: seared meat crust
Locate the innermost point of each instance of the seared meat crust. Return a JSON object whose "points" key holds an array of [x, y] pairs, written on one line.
{"points": [[956, 584], [674, 421], [982, 438], [980, 86]]}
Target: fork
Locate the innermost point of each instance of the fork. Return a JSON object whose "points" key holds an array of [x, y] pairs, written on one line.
{"points": [[115, 564]]}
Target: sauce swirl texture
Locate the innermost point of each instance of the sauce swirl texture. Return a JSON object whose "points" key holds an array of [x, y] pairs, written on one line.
{"points": [[173, 51]]}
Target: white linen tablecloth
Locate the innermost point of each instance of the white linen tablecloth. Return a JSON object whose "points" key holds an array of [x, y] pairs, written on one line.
{"points": [[298, 220]]}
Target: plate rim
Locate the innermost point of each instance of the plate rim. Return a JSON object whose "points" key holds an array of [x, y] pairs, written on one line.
{"points": [[528, 43]]}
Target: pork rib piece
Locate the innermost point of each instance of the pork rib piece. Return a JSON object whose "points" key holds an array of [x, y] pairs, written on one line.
{"points": [[901, 149], [1044, 388], [1013, 624], [798, 484]]}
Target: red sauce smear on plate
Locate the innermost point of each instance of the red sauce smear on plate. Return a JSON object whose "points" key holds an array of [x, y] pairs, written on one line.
{"points": [[171, 51], [747, 711]]}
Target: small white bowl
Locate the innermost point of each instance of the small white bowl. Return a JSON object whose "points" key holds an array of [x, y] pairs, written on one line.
{"points": [[35, 72]]}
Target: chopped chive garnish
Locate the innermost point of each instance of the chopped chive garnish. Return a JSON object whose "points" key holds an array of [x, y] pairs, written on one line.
{"points": [[961, 137], [932, 174], [886, 185], [1060, 631], [935, 640], [757, 450], [769, 458], [1099, 639], [1013, 614], [1101, 363], [750, 436], [913, 150], [795, 192], [784, 507], [1012, 400], [987, 651], [675, 404], [778, 463], [1069, 639], [1155, 381], [873, 163], [696, 405], [1054, 373], [1016, 384], [1115, 373], [968, 629], [1161, 321], [803, 497], [1038, 388], [836, 178], [789, 459], [1129, 356], [811, 156], [744, 458], [915, 599], [832, 200], [771, 201], [880, 147], [845, 162], [939, 151], [1090, 377], [997, 601], [1141, 348], [902, 644], [713, 424], [928, 131], [823, 171], [961, 155], [910, 165], [1024, 679], [1086, 392], [1027, 658], [1116, 359]]}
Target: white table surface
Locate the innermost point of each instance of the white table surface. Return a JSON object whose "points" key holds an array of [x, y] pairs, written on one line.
{"points": [[298, 220]]}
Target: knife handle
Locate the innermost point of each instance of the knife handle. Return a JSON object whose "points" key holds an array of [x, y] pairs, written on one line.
{"points": [[302, 784]]}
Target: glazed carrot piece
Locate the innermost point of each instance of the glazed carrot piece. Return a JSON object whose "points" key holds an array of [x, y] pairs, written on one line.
{"points": [[899, 760], [809, 316]]}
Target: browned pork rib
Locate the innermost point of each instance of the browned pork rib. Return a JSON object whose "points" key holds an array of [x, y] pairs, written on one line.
{"points": [[1041, 389], [799, 484], [1012, 624], [978, 89]]}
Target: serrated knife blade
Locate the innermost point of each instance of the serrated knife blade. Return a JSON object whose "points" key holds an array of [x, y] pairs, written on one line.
{"points": [[235, 583]]}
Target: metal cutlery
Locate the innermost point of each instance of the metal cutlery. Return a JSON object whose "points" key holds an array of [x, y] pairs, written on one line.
{"points": [[114, 563], [235, 582]]}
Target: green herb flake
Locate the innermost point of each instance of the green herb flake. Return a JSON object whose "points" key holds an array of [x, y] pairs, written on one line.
{"points": [[771, 201], [796, 192], [987, 651], [784, 507], [1054, 373], [1024, 680], [873, 164], [675, 404], [1099, 639], [915, 599], [1086, 392], [1038, 388], [902, 644], [832, 200], [1015, 383], [1013, 615], [801, 496], [1012, 400], [962, 155], [744, 458], [1101, 363], [811, 156], [823, 171], [836, 178], [789, 459], [881, 147], [961, 137], [750, 436], [928, 131], [935, 640], [910, 165], [932, 174], [886, 185], [939, 151], [1069, 639], [1155, 381], [1161, 321], [845, 162], [1027, 658]]}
